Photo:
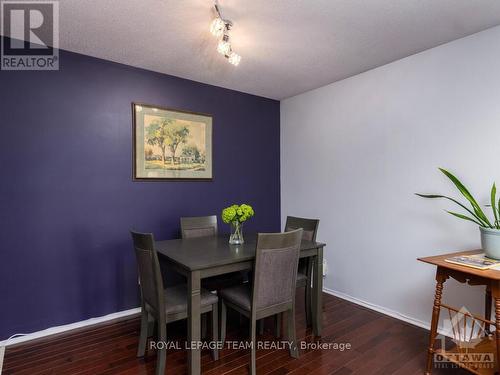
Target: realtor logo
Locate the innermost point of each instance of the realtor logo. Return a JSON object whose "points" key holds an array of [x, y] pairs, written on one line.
{"points": [[30, 35]]}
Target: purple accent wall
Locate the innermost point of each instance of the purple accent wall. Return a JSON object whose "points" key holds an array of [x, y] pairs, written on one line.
{"points": [[67, 199]]}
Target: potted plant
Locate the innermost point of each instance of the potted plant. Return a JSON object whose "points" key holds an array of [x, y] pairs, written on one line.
{"points": [[236, 215], [490, 231]]}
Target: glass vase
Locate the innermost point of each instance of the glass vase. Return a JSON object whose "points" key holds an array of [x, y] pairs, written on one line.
{"points": [[236, 237]]}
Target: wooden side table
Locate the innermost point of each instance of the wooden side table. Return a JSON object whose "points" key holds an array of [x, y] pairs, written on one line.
{"points": [[471, 276]]}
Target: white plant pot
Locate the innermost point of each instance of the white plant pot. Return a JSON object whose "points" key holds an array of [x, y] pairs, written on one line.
{"points": [[490, 242]]}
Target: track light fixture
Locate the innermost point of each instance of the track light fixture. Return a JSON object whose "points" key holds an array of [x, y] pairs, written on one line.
{"points": [[220, 28]]}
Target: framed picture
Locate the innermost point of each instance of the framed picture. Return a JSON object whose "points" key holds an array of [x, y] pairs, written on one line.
{"points": [[170, 144]]}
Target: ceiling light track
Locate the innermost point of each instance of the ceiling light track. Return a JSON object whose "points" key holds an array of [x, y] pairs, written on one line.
{"points": [[220, 28]]}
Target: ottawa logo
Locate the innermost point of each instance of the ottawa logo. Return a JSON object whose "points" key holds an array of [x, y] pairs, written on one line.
{"points": [[466, 342]]}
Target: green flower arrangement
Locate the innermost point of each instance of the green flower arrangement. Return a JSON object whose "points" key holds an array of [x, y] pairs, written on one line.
{"points": [[236, 215]]}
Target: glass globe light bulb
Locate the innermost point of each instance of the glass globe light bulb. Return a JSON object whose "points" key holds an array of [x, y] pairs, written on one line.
{"points": [[217, 27], [224, 47], [234, 58]]}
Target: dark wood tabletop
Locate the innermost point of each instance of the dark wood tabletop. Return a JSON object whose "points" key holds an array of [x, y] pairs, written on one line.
{"points": [[207, 252]]}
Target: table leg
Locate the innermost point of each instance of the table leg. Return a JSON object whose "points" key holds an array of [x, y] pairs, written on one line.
{"points": [[317, 307], [194, 331], [495, 290], [487, 309], [440, 279]]}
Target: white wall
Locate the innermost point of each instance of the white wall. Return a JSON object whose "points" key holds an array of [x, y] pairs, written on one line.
{"points": [[354, 152]]}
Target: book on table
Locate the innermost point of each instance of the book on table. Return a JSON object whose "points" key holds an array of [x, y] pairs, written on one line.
{"points": [[477, 261]]}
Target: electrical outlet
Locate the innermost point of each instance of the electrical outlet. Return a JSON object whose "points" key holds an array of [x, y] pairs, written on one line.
{"points": [[2, 353], [325, 268]]}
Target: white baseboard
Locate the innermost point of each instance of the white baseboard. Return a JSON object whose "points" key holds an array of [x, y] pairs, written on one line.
{"points": [[2, 353], [69, 327], [385, 311]]}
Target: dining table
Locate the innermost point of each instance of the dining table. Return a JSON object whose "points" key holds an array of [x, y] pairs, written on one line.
{"points": [[203, 257]]}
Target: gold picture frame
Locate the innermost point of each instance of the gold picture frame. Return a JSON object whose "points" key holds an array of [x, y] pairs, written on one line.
{"points": [[170, 144]]}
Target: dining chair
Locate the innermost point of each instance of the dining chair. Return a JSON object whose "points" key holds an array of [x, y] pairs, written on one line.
{"points": [[199, 226], [306, 265], [164, 305], [272, 291], [206, 226]]}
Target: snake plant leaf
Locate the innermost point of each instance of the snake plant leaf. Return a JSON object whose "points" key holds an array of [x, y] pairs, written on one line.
{"points": [[498, 207], [460, 216], [493, 203], [477, 209], [432, 196]]}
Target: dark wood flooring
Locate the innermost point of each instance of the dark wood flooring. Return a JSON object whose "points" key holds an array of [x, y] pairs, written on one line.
{"points": [[380, 345]]}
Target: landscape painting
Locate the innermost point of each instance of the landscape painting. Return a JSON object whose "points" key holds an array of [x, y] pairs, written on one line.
{"points": [[171, 144]]}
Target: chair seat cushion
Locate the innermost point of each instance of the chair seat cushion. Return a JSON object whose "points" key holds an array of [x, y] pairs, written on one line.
{"points": [[239, 295], [176, 298]]}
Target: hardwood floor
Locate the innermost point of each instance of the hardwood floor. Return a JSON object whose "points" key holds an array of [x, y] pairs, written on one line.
{"points": [[380, 345]]}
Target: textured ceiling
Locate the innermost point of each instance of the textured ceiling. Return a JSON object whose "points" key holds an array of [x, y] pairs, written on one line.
{"points": [[287, 46]]}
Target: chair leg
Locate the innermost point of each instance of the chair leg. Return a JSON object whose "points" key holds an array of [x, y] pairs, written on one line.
{"points": [[307, 304], [161, 354], [292, 336], [204, 324], [151, 326], [143, 337], [308, 293], [278, 324], [215, 331], [223, 314], [253, 364], [260, 324]]}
